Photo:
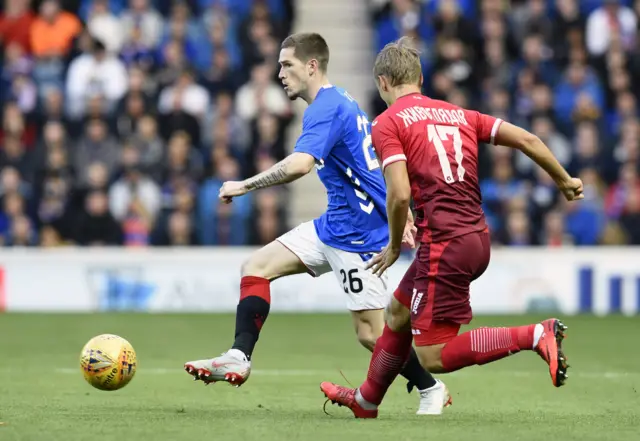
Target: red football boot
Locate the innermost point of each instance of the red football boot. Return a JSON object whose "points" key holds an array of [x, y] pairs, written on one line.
{"points": [[549, 347], [344, 396]]}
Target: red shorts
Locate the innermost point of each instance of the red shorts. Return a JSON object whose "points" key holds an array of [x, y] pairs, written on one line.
{"points": [[435, 288]]}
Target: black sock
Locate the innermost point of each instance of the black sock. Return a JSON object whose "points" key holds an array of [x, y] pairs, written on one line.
{"points": [[251, 313], [416, 374]]}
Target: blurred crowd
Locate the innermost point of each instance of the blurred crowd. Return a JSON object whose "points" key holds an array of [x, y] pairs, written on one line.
{"points": [[565, 70], [121, 119]]}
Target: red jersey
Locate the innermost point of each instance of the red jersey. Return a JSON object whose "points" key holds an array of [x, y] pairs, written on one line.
{"points": [[439, 142]]}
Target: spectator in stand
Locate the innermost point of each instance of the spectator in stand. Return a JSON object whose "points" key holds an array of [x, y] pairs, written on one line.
{"points": [[221, 76], [630, 220], [517, 229], [609, 22], [182, 158], [22, 233], [180, 231], [52, 34], [88, 100], [554, 234], [261, 94], [618, 194], [134, 193], [105, 26], [531, 18], [95, 73], [185, 95], [498, 190], [96, 145], [141, 25], [13, 206], [150, 147], [567, 30], [13, 154], [579, 81], [183, 204], [15, 24], [223, 116], [196, 88], [15, 124], [50, 237], [11, 182], [96, 226], [223, 224], [267, 142]]}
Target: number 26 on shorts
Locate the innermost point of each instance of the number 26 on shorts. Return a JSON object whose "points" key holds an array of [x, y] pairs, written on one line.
{"points": [[438, 136]]}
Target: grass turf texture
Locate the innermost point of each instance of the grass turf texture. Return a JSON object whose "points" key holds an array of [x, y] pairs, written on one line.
{"points": [[44, 397]]}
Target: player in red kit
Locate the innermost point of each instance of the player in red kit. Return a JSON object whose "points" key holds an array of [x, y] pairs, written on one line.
{"points": [[429, 152]]}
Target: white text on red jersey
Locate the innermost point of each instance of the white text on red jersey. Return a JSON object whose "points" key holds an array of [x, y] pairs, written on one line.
{"points": [[414, 114]]}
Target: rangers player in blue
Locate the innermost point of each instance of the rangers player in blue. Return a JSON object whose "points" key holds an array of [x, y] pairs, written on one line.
{"points": [[336, 140]]}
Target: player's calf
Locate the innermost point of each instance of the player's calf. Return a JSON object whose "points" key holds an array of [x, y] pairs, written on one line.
{"points": [[268, 263], [440, 350], [368, 326]]}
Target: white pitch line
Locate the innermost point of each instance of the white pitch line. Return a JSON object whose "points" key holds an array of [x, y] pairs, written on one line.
{"points": [[612, 375], [173, 371]]}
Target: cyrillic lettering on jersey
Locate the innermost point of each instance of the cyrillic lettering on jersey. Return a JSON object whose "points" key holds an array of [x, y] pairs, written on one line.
{"points": [[414, 114]]}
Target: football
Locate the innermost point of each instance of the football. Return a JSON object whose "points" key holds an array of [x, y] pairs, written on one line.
{"points": [[108, 362]]}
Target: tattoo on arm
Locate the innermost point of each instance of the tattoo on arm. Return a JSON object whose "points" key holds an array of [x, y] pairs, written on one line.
{"points": [[274, 176]]}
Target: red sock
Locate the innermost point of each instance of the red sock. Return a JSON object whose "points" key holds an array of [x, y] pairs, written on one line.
{"points": [[252, 312], [255, 286], [484, 345], [389, 356]]}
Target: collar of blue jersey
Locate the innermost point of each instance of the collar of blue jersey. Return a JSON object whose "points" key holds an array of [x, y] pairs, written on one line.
{"points": [[327, 86]]}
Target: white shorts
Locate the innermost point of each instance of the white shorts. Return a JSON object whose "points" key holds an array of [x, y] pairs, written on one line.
{"points": [[365, 291]]}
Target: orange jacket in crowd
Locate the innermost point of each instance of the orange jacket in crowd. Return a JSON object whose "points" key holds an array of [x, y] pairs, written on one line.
{"points": [[54, 39]]}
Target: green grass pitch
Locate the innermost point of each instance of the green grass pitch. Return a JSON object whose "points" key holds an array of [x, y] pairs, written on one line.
{"points": [[44, 397]]}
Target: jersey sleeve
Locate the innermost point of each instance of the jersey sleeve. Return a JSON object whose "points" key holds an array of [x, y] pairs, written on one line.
{"points": [[386, 141], [320, 132], [486, 126]]}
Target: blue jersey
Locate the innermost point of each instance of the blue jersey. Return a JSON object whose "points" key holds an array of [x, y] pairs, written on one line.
{"points": [[335, 131]]}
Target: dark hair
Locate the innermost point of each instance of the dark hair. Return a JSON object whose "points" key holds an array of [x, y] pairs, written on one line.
{"points": [[309, 46]]}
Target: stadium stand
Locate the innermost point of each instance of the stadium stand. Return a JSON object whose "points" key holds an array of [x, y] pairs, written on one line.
{"points": [[121, 118], [562, 68]]}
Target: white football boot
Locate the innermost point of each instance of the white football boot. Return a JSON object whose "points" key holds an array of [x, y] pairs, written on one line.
{"points": [[434, 399], [232, 367]]}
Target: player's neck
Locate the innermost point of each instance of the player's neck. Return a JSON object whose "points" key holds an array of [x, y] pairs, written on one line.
{"points": [[404, 90], [314, 88]]}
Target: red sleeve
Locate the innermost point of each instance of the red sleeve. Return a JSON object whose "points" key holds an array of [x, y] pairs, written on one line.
{"points": [[486, 126], [386, 141]]}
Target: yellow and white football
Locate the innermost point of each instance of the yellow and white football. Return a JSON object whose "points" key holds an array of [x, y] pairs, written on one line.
{"points": [[108, 362]]}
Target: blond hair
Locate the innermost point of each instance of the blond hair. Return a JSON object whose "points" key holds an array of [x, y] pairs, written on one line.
{"points": [[399, 62]]}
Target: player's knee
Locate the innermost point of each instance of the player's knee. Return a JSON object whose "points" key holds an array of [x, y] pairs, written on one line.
{"points": [[398, 317], [254, 267]]}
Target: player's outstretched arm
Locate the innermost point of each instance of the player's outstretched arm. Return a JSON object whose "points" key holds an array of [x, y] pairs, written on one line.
{"points": [[398, 198], [289, 169], [515, 137]]}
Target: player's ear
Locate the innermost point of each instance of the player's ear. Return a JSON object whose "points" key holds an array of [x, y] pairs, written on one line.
{"points": [[421, 81], [382, 81], [312, 66]]}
